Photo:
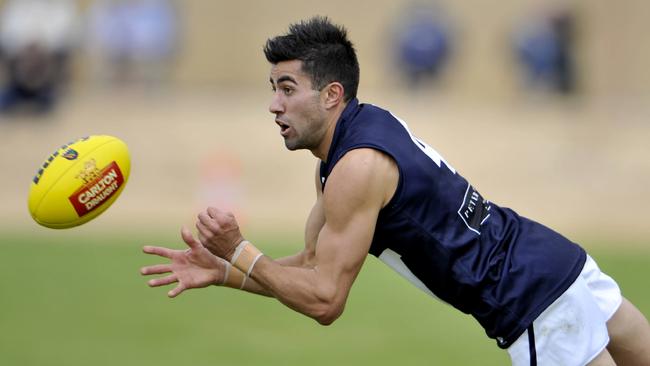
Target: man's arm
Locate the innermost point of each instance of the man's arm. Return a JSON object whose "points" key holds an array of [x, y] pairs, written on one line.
{"points": [[362, 182]]}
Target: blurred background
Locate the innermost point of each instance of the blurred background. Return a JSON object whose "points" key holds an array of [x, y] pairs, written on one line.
{"points": [[543, 105]]}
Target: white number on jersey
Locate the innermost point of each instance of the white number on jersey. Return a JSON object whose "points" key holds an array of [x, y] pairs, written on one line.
{"points": [[428, 150]]}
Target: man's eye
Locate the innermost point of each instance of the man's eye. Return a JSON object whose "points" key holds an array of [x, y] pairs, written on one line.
{"points": [[287, 91]]}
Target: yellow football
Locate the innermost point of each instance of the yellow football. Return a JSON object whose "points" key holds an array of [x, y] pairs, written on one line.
{"points": [[79, 181]]}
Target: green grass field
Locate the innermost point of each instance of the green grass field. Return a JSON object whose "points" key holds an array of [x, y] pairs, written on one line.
{"points": [[84, 303]]}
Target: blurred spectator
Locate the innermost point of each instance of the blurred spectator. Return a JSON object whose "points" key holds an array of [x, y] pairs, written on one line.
{"points": [[133, 41], [37, 38], [544, 46], [422, 43]]}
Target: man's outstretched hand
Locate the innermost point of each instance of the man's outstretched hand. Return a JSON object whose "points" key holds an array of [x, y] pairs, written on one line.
{"points": [[194, 267]]}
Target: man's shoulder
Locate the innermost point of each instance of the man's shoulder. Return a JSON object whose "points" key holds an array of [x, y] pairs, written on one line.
{"points": [[363, 174], [372, 110], [372, 121]]}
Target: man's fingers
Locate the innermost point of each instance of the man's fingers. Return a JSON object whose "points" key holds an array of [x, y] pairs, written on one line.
{"points": [[204, 232], [189, 239], [163, 280], [213, 212], [176, 290], [221, 218], [163, 252], [156, 269], [206, 220]]}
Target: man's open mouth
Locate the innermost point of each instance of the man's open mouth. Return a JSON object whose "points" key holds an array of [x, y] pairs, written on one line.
{"points": [[283, 126]]}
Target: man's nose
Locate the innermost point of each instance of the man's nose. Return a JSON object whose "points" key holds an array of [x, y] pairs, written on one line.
{"points": [[276, 105]]}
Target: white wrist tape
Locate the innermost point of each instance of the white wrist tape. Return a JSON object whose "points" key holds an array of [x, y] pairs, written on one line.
{"points": [[245, 257], [233, 277], [226, 273]]}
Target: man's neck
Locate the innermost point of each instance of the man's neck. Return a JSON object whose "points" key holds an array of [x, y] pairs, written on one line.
{"points": [[323, 149]]}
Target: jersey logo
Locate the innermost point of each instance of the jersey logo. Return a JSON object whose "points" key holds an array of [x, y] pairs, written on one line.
{"points": [[474, 210]]}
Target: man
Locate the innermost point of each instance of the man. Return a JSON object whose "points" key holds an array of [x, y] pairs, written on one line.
{"points": [[382, 191]]}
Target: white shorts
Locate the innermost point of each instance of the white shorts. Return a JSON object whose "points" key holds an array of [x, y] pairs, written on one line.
{"points": [[572, 331]]}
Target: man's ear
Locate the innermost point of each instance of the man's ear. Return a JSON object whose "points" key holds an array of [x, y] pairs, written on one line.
{"points": [[332, 95]]}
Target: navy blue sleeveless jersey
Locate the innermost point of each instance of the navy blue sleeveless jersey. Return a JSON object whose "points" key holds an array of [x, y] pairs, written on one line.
{"points": [[441, 234]]}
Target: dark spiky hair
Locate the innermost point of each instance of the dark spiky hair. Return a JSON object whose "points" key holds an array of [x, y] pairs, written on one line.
{"points": [[325, 51]]}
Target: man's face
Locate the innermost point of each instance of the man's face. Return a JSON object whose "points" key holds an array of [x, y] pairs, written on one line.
{"points": [[297, 107]]}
